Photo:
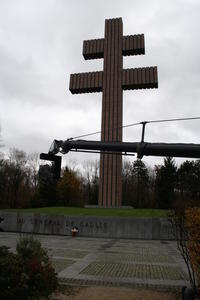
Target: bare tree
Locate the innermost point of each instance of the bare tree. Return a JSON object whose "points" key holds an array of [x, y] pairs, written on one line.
{"points": [[178, 220], [33, 164], [1, 144], [91, 176]]}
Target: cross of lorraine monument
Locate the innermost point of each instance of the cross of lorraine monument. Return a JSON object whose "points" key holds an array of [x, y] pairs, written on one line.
{"points": [[111, 82]]}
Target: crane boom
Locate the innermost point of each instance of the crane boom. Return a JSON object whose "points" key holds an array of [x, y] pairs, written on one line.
{"points": [[141, 148]]}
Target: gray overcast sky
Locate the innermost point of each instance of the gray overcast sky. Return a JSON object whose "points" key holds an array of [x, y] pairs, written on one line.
{"points": [[41, 44]]}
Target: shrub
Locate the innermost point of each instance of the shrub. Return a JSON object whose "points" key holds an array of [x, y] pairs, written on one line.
{"points": [[28, 274], [186, 228], [11, 275], [29, 248], [193, 243], [41, 275]]}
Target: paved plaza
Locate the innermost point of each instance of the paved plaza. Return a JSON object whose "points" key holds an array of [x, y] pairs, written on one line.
{"points": [[111, 262]]}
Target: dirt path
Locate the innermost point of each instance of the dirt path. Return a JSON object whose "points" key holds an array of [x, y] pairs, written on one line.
{"points": [[109, 293]]}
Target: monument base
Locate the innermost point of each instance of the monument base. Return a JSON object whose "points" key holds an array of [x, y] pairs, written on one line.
{"points": [[98, 206]]}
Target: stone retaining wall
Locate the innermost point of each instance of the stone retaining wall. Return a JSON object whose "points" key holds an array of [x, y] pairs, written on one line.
{"points": [[90, 226]]}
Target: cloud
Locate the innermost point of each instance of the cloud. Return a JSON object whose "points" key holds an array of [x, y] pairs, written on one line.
{"points": [[41, 45]]}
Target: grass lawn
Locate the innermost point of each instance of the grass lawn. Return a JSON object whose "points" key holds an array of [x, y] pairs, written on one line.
{"points": [[77, 211]]}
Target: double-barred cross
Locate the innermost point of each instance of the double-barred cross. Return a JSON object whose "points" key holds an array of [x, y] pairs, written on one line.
{"points": [[111, 81]]}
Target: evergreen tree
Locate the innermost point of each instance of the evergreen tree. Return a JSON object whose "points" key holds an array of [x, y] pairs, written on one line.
{"points": [[141, 177], [46, 187], [165, 183], [135, 184], [189, 181]]}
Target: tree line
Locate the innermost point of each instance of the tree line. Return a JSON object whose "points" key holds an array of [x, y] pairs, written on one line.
{"points": [[24, 184]]}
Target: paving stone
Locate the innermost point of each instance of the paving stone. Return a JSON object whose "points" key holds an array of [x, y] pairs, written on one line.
{"points": [[136, 257], [137, 271], [134, 248], [112, 262]]}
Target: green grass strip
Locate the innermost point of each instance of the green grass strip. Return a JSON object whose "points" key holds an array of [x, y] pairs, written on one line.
{"points": [[78, 211]]}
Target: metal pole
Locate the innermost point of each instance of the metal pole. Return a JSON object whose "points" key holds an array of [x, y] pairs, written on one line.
{"points": [[143, 130]]}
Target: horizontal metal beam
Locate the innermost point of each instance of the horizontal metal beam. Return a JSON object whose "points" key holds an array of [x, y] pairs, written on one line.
{"points": [[50, 157], [56, 163], [143, 148]]}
